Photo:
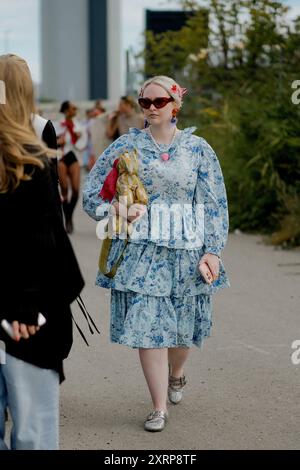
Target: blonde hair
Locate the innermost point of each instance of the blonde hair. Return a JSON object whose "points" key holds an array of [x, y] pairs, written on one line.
{"points": [[169, 85], [19, 145]]}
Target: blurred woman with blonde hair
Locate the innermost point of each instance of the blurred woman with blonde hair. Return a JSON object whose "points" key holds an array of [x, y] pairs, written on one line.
{"points": [[39, 274], [124, 118]]}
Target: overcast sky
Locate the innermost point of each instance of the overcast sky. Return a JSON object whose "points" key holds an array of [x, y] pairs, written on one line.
{"points": [[19, 26]]}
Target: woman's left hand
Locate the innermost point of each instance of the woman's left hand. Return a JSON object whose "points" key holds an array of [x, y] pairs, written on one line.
{"points": [[213, 263], [21, 330]]}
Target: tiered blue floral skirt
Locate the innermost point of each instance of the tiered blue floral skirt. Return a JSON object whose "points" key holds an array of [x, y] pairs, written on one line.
{"points": [[158, 297]]}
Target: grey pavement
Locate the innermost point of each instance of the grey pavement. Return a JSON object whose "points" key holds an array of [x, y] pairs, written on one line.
{"points": [[243, 390]]}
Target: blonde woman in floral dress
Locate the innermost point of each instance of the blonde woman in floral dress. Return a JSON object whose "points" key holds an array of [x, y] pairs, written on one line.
{"points": [[161, 295]]}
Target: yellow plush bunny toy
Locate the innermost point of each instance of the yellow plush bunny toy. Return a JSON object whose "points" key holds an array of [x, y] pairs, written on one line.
{"points": [[129, 190]]}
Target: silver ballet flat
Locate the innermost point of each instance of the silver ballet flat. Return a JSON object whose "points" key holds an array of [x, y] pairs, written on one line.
{"points": [[156, 421]]}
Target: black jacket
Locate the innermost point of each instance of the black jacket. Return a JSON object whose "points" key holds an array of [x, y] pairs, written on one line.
{"points": [[38, 269]]}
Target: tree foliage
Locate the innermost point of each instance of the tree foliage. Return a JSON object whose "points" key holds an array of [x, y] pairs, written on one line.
{"points": [[239, 59]]}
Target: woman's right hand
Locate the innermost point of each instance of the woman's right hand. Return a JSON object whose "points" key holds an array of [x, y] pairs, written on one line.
{"points": [[132, 214], [135, 211]]}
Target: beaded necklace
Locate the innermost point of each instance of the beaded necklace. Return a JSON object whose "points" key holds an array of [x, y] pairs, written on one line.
{"points": [[165, 156]]}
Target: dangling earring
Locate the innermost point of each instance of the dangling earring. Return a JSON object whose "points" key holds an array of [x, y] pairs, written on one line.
{"points": [[174, 118], [146, 123]]}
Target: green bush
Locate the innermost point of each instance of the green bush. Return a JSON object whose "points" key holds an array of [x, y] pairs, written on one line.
{"points": [[242, 105]]}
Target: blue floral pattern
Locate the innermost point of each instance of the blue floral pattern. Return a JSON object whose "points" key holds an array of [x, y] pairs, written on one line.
{"points": [[159, 298]]}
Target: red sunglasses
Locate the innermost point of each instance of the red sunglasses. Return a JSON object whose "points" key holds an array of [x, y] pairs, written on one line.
{"points": [[157, 102]]}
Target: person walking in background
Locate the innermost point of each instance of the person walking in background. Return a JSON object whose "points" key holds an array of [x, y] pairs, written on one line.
{"points": [[161, 293], [39, 272], [72, 138], [99, 138], [99, 108], [97, 132], [88, 156], [126, 117]]}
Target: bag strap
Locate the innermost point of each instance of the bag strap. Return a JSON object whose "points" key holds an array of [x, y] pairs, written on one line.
{"points": [[80, 330], [88, 318], [105, 249], [86, 315]]}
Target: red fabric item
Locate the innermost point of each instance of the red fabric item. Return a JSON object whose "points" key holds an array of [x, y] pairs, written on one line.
{"points": [[108, 190], [70, 126]]}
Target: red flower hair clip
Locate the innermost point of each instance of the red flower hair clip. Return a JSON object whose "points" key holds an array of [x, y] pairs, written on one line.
{"points": [[178, 90]]}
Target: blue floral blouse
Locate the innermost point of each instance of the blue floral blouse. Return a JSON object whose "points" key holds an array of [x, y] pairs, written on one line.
{"points": [[187, 193]]}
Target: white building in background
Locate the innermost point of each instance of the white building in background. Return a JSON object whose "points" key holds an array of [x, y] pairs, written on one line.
{"points": [[81, 50]]}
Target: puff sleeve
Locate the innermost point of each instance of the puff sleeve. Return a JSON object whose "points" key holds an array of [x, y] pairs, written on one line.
{"points": [[211, 192]]}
